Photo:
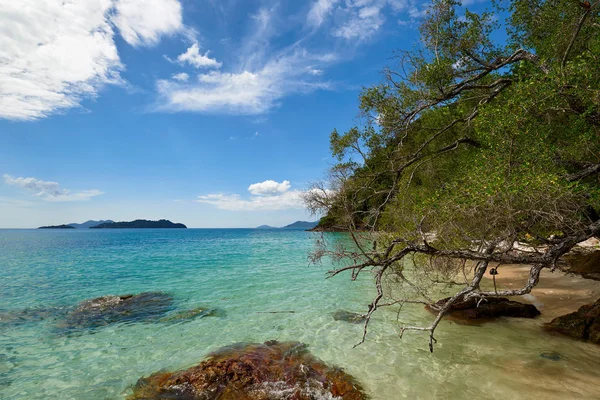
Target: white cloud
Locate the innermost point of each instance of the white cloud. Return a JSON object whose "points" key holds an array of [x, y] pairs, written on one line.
{"points": [[267, 195], [319, 11], [356, 19], [193, 57], [52, 55], [363, 23], [269, 187], [144, 22], [245, 92], [181, 77], [257, 79], [233, 202], [50, 191], [55, 53]]}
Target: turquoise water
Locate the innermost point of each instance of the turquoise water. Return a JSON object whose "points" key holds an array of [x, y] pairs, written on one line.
{"points": [[247, 274]]}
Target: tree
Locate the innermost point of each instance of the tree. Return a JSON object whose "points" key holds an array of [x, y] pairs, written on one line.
{"points": [[472, 153]]}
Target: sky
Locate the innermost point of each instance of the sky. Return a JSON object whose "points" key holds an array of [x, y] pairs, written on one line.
{"points": [[213, 113]]}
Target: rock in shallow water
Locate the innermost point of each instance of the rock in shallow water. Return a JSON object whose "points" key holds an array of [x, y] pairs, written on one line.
{"points": [[583, 324], [486, 309], [551, 355], [273, 370], [27, 315], [111, 309], [188, 315], [347, 316]]}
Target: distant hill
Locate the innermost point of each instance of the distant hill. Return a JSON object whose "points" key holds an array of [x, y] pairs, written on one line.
{"points": [[301, 225], [295, 225], [57, 227], [140, 223], [90, 223], [266, 227]]}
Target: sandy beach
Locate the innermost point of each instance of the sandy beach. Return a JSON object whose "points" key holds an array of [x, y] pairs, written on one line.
{"points": [[557, 293]]}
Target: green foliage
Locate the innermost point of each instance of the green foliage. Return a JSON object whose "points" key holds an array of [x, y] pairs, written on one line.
{"points": [[480, 140]]}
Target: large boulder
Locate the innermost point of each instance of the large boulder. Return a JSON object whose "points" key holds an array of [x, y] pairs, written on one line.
{"points": [[583, 324], [585, 262], [273, 370], [111, 309], [485, 308]]}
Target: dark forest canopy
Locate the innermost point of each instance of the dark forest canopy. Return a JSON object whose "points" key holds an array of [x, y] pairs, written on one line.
{"points": [[469, 147], [57, 227], [140, 223]]}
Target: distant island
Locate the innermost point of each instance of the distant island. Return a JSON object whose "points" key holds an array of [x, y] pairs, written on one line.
{"points": [[57, 227], [140, 224], [295, 225], [266, 227], [90, 224]]}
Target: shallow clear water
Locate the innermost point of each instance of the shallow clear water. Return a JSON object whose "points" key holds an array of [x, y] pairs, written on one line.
{"points": [[248, 273]]}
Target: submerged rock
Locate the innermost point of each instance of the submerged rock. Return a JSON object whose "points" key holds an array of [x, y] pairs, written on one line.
{"points": [[111, 309], [485, 309], [7, 365], [551, 355], [273, 370], [188, 315], [347, 316], [27, 315], [583, 324]]}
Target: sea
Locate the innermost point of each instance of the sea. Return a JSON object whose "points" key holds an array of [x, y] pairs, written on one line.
{"points": [[263, 287]]}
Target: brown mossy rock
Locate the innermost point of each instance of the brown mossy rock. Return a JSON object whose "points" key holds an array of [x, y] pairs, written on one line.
{"points": [[273, 370], [485, 309], [112, 309], [583, 324]]}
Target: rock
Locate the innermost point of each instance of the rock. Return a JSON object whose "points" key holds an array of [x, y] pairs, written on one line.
{"points": [[111, 309], [188, 315], [347, 316], [551, 355], [273, 370], [583, 324], [585, 262], [7, 365], [486, 309], [592, 275], [28, 315]]}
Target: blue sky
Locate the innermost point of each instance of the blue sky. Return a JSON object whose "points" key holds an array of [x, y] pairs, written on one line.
{"points": [[214, 113]]}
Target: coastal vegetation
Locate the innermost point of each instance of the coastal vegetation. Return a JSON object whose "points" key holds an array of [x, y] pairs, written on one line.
{"points": [[480, 148]]}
